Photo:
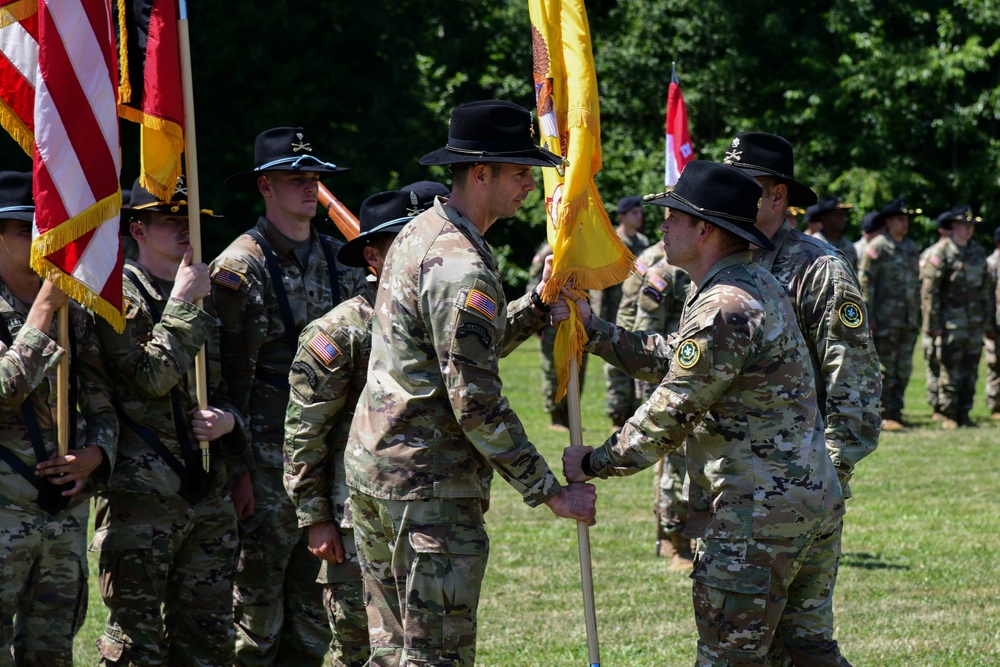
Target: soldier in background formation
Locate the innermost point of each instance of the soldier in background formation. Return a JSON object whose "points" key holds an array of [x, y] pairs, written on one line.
{"points": [[266, 287], [327, 376], [889, 274], [992, 358], [932, 366], [832, 215], [621, 399], [557, 410], [871, 226], [959, 308], [44, 498], [653, 298], [166, 528]]}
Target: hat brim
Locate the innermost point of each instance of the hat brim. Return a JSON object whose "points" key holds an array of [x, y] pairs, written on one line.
{"points": [[540, 157], [799, 194], [751, 234], [24, 216], [246, 181], [352, 253]]}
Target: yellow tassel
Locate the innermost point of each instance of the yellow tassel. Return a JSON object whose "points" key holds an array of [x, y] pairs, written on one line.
{"points": [[88, 219], [11, 122], [81, 294], [124, 84], [17, 11]]}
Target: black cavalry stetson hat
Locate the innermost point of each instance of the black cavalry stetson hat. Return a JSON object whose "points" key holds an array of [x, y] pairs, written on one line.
{"points": [[718, 194], [16, 199], [871, 222], [895, 207], [425, 192], [280, 149], [382, 213], [763, 154], [491, 131], [142, 200], [963, 213], [827, 204]]}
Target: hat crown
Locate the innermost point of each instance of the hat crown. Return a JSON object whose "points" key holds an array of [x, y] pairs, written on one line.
{"points": [[762, 151], [280, 143], [717, 188], [422, 194], [870, 222], [626, 204], [140, 196], [383, 207], [16, 192]]}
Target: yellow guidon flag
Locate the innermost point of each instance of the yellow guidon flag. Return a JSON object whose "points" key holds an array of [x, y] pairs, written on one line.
{"points": [[586, 249]]}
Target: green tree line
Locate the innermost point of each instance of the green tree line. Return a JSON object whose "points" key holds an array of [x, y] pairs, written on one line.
{"points": [[879, 99]]}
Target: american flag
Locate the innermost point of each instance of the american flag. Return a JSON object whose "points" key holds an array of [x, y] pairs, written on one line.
{"points": [[323, 348], [482, 302]]}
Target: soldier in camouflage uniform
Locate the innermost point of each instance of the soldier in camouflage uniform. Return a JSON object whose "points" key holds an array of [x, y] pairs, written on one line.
{"points": [[889, 275], [738, 382], [43, 497], [833, 218], [166, 529], [992, 358], [653, 301], [870, 228], [267, 286], [327, 376], [959, 309], [621, 398], [432, 423], [558, 411], [931, 356]]}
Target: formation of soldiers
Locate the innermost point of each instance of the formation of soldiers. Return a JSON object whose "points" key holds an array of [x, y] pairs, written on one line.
{"points": [[355, 411]]}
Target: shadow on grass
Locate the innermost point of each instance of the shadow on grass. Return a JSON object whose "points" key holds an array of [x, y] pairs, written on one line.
{"points": [[867, 561]]}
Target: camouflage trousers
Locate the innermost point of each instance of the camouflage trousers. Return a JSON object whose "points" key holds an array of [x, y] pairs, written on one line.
{"points": [[278, 605], [43, 585], [669, 494], [895, 360], [344, 600], [549, 383], [933, 370], [423, 563], [767, 602], [992, 376], [958, 357], [166, 574]]}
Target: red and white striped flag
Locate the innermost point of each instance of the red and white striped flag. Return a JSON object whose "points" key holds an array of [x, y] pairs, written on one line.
{"points": [[76, 151], [678, 142]]}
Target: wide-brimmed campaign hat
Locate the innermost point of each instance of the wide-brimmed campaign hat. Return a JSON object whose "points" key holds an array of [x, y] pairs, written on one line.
{"points": [[382, 213], [871, 222], [280, 149], [425, 192], [142, 200], [896, 207], [811, 214], [828, 204], [719, 194], [16, 199], [491, 131], [963, 213], [763, 154]]}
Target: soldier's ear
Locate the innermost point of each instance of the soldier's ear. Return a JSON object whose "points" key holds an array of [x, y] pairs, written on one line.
{"points": [[137, 231]]}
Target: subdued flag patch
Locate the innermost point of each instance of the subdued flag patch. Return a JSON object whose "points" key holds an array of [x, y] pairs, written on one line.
{"points": [[323, 348], [228, 278], [483, 303]]}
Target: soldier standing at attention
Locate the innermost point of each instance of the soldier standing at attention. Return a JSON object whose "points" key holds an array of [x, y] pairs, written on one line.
{"points": [[327, 376], [166, 529], [928, 342], [738, 381], [889, 274], [992, 358], [869, 230], [43, 498], [824, 292], [653, 299], [833, 220], [432, 423], [959, 309], [621, 398], [267, 286]]}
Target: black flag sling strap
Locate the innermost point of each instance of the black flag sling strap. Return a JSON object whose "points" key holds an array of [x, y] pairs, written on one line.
{"points": [[291, 331], [50, 496]]}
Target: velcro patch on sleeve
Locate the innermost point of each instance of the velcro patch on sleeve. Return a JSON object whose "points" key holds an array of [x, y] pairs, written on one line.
{"points": [[872, 252], [323, 348], [482, 302], [657, 281], [228, 278], [640, 267], [935, 260]]}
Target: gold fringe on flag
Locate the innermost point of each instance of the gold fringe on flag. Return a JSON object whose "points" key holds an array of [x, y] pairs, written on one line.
{"points": [[11, 122], [124, 83], [18, 11]]}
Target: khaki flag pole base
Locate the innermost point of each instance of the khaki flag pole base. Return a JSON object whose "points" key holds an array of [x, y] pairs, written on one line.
{"points": [[582, 529]]}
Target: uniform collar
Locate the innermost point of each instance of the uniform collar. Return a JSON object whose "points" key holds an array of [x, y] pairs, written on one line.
{"points": [[146, 278], [466, 227], [282, 246], [742, 257]]}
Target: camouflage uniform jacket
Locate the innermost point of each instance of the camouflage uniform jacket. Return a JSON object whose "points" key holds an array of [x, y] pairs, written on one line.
{"points": [[739, 388], [843, 245], [889, 276], [329, 372], [28, 372], [832, 316], [608, 300], [955, 292], [432, 421], [629, 306], [146, 362], [256, 351]]}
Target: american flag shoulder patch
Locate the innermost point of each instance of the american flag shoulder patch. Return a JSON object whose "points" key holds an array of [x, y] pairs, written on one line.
{"points": [[640, 267], [482, 302], [227, 278], [323, 348], [656, 281]]}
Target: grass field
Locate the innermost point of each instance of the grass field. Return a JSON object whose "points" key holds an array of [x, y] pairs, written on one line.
{"points": [[919, 583]]}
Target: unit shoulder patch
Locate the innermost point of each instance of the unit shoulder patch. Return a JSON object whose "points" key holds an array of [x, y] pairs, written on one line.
{"points": [[688, 353], [851, 314]]}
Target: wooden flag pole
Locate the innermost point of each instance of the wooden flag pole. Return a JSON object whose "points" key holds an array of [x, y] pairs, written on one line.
{"points": [[62, 385], [582, 529], [340, 214], [194, 204]]}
